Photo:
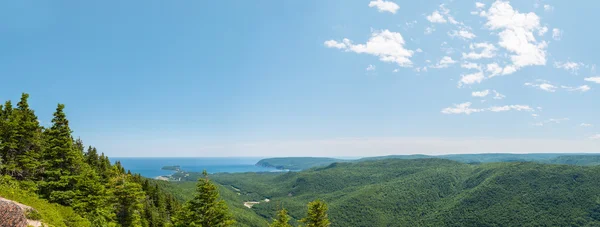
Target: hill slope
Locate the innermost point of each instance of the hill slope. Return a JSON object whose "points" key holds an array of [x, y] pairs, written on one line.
{"points": [[431, 192]]}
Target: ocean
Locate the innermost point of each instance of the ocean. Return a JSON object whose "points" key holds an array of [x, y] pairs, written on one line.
{"points": [[151, 167]]}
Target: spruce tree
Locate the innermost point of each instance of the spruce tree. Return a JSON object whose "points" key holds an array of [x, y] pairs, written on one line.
{"points": [[9, 141], [282, 219], [63, 161], [316, 215], [205, 209], [28, 134], [129, 199], [92, 199]]}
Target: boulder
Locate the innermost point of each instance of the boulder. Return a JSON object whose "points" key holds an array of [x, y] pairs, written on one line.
{"points": [[11, 215]]}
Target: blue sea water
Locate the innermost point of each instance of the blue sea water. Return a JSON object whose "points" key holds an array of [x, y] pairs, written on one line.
{"points": [[151, 167]]}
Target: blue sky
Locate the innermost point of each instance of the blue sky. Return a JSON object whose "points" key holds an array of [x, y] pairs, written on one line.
{"points": [[309, 78]]}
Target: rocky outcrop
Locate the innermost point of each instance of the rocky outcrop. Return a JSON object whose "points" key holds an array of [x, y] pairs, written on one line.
{"points": [[11, 215]]}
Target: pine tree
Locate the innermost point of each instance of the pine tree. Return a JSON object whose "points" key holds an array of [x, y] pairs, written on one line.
{"points": [[282, 220], [316, 215], [205, 209]]}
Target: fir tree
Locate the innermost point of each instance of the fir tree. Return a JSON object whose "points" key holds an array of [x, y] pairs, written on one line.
{"points": [[316, 215], [205, 209], [282, 219]]}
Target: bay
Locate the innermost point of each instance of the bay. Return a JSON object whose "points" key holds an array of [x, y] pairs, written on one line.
{"points": [[151, 167]]}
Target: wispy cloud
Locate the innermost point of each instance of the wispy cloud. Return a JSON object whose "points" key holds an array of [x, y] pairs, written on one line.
{"points": [[387, 45]]}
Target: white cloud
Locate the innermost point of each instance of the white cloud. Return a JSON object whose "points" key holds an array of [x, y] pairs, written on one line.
{"points": [[422, 69], [436, 17], [463, 34], [418, 50], [479, 5], [396, 70], [535, 115], [494, 69], [516, 34], [470, 65], [570, 66], [509, 69], [463, 108], [510, 107], [593, 79], [487, 51], [543, 86], [548, 8], [384, 6], [481, 94], [497, 95], [444, 62], [370, 68], [471, 78], [582, 88], [585, 125], [557, 34], [595, 137], [542, 31], [429, 30], [335, 44], [388, 46]]}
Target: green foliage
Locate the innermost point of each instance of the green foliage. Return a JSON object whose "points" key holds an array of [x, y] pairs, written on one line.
{"points": [[316, 215], [430, 192], [77, 188], [49, 213], [282, 219], [33, 215], [205, 209]]}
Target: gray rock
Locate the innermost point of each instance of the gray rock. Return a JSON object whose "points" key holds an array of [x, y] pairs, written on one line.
{"points": [[11, 215]]}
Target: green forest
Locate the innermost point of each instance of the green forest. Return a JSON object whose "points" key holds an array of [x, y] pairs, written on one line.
{"points": [[71, 184]]}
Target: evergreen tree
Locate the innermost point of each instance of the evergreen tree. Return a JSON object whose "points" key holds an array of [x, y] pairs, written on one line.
{"points": [[63, 161], [282, 219], [205, 209], [28, 134], [129, 199], [9, 140], [92, 159], [317, 215], [92, 199]]}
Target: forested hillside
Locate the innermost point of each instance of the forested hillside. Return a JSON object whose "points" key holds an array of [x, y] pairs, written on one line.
{"points": [[431, 192], [300, 163], [69, 184]]}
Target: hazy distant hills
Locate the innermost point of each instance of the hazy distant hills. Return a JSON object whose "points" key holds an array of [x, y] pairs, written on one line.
{"points": [[300, 163]]}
